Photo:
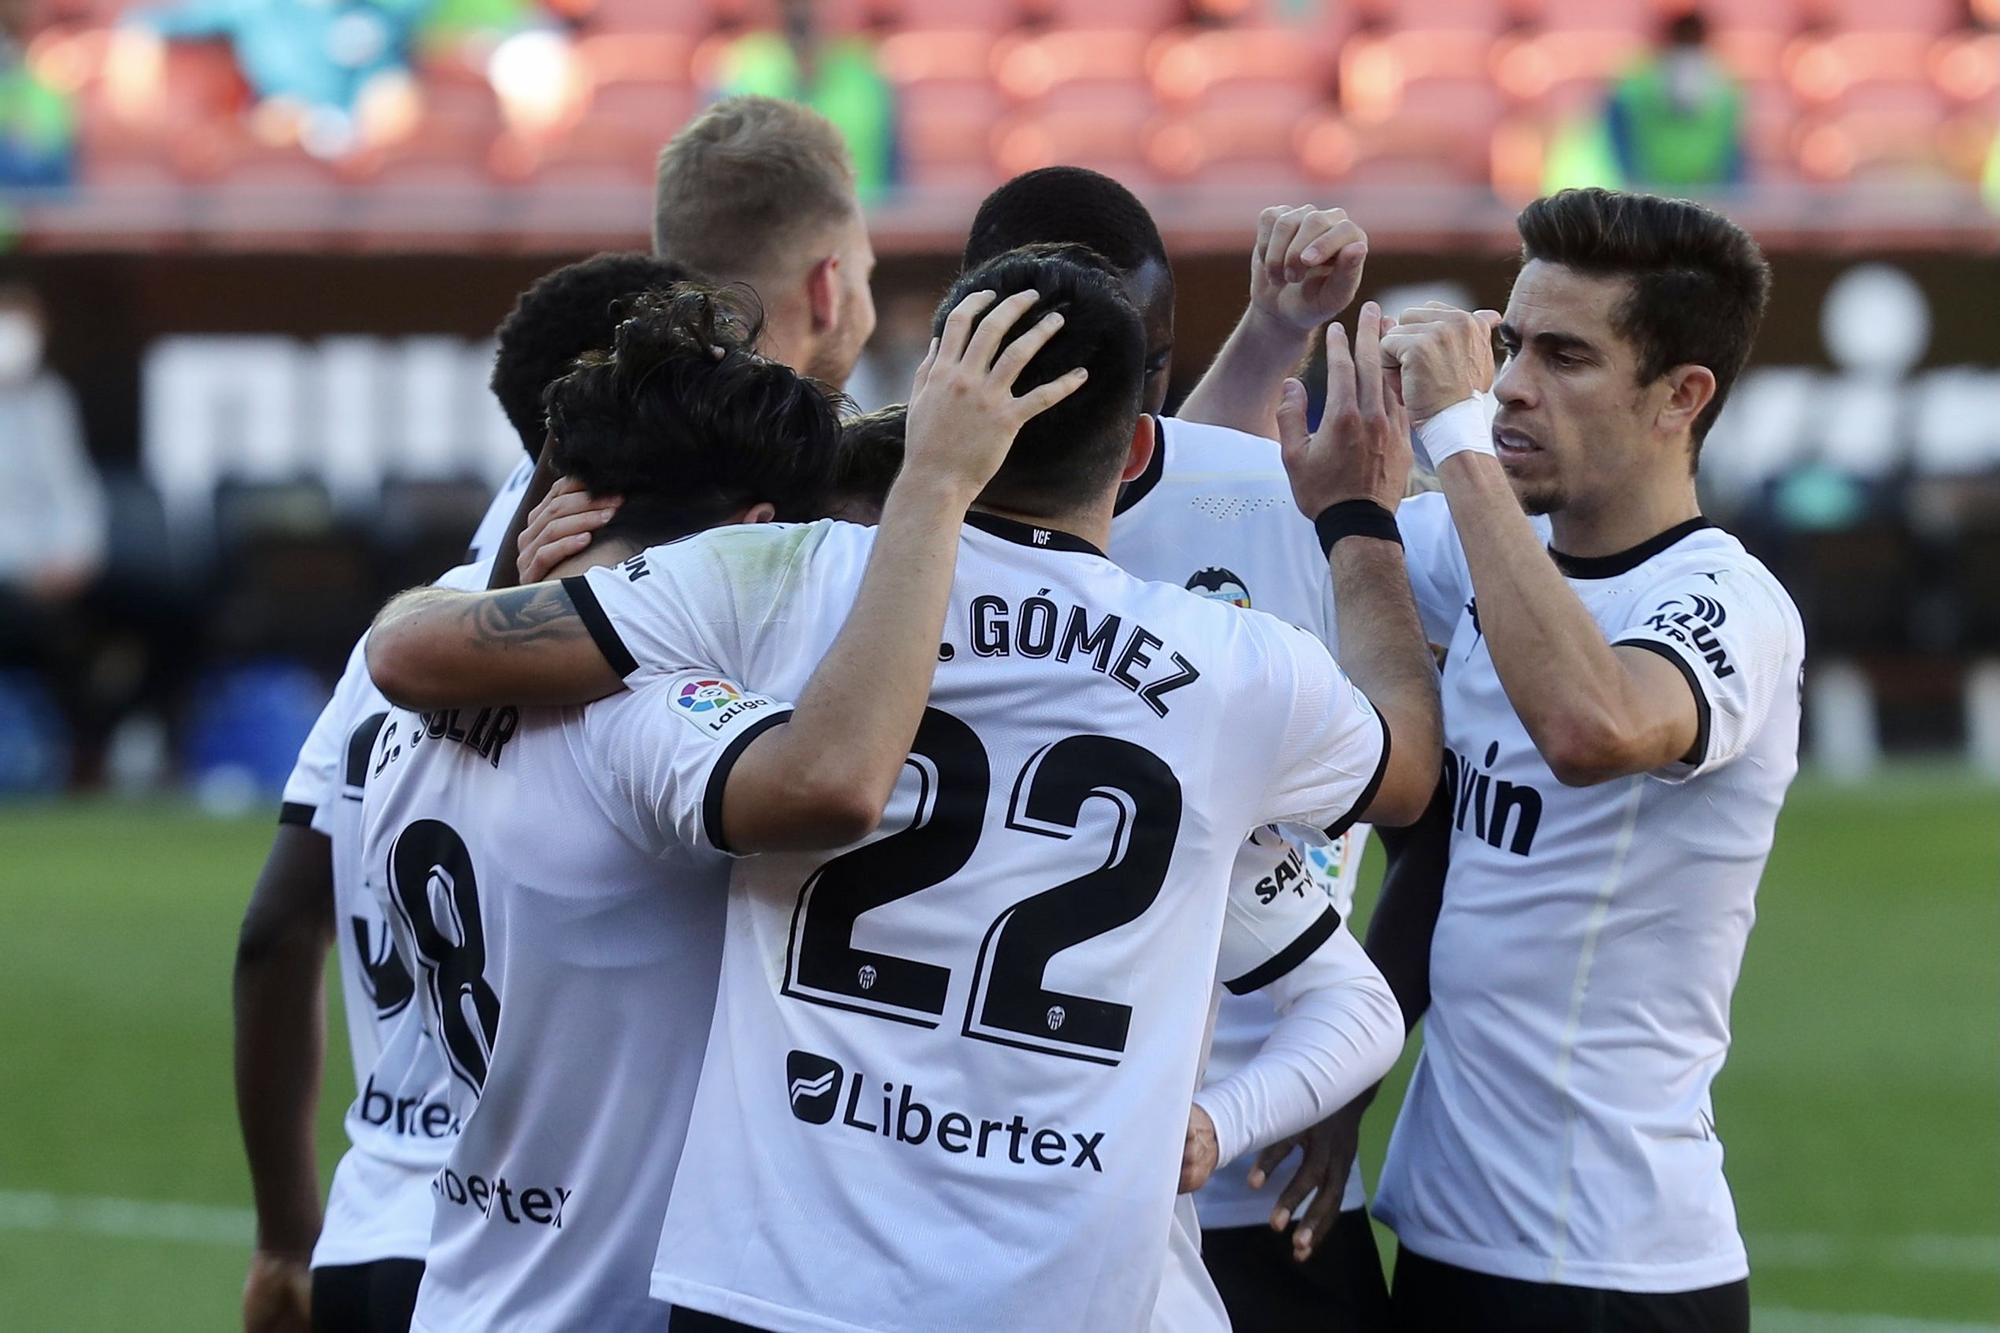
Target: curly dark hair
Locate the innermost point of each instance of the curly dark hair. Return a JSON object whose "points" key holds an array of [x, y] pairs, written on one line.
{"points": [[565, 313], [688, 423]]}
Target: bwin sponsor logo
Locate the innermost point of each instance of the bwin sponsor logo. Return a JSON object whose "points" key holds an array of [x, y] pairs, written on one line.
{"points": [[814, 1083], [1489, 805], [1692, 620]]}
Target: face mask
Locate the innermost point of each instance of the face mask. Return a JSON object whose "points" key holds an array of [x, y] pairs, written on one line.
{"points": [[1688, 77], [20, 347]]}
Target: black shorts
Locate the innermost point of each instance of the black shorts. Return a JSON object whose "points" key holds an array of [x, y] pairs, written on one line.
{"points": [[685, 1320], [1264, 1288], [1433, 1297], [377, 1297]]}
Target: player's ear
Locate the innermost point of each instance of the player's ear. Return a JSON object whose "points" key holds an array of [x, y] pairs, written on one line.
{"points": [[823, 293], [1689, 389], [1141, 452], [761, 512]]}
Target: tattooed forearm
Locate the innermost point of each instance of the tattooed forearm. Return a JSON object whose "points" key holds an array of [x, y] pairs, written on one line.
{"points": [[540, 613], [436, 648]]}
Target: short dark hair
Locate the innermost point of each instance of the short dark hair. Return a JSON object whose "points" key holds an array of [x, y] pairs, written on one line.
{"points": [[563, 315], [870, 455], [1698, 282], [1066, 205], [1067, 453], [746, 180], [688, 424]]}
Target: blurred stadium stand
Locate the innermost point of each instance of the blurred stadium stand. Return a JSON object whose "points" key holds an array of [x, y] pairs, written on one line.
{"points": [[284, 378], [1396, 99]]}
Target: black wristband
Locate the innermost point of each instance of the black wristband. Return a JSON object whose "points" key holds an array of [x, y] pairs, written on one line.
{"points": [[1355, 518]]}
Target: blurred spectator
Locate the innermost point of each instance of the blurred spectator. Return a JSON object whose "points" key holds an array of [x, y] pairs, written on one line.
{"points": [[317, 66], [1676, 119], [836, 76], [53, 522], [37, 121]]}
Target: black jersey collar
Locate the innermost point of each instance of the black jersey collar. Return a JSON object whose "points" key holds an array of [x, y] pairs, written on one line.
{"points": [[1610, 566], [1027, 534], [1142, 485]]}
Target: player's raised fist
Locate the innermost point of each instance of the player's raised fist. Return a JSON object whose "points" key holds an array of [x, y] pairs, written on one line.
{"points": [[1444, 355], [1361, 450], [963, 410], [1306, 265]]}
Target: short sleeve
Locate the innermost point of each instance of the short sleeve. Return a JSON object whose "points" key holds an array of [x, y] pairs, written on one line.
{"points": [[1436, 561], [1731, 633], [1277, 914], [692, 603], [661, 753], [315, 776], [1331, 747]]}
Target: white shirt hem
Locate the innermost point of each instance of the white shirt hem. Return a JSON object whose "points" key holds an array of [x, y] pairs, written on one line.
{"points": [[1730, 1265], [746, 1309]]}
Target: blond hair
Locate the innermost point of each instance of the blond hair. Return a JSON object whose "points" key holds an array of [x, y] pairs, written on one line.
{"points": [[744, 182]]}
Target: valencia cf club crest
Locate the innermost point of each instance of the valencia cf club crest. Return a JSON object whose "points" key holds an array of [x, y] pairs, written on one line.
{"points": [[1220, 585]]}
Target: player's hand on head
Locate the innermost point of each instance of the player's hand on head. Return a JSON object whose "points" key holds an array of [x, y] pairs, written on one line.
{"points": [[1361, 450], [1326, 1160], [277, 1295], [963, 411], [1442, 354], [1199, 1152], [560, 527], [1306, 265]]}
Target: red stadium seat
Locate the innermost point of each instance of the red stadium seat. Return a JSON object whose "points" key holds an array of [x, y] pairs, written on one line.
{"points": [[1421, 148], [684, 17], [954, 55], [1419, 16], [945, 130], [1105, 132], [1928, 17], [1375, 69], [1184, 66], [986, 15], [1635, 17], [1032, 66], [1529, 66], [1227, 144], [1146, 15]]}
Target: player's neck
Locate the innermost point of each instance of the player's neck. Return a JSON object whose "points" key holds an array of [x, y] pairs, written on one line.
{"points": [[1621, 521], [1092, 523], [600, 552]]}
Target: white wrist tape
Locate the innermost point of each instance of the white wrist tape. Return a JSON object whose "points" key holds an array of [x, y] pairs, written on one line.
{"points": [[1465, 426]]}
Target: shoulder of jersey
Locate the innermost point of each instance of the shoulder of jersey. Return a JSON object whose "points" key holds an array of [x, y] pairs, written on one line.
{"points": [[469, 577], [1716, 555], [1200, 447]]}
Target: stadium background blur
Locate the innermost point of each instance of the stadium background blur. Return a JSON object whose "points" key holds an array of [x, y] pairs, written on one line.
{"points": [[269, 240]]}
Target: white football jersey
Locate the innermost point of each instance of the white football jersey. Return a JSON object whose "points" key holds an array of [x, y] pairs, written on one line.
{"points": [[486, 538], [1558, 1128], [400, 1123], [949, 1076], [567, 944], [1214, 513]]}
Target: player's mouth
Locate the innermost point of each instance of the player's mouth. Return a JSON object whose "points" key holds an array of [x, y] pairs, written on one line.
{"points": [[1514, 445]]}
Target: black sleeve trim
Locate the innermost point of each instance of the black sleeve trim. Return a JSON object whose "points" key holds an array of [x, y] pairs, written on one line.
{"points": [[1367, 797], [1697, 755], [1300, 949], [718, 777], [591, 613], [296, 812]]}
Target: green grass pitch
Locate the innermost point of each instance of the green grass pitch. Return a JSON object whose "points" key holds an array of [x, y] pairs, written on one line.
{"points": [[1861, 1106]]}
